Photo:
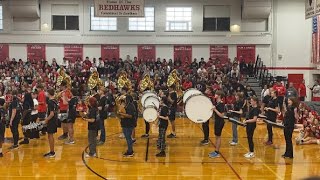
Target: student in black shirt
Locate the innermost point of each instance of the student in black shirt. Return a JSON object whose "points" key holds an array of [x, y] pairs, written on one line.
{"points": [[205, 125], [127, 123], [51, 122], [93, 127], [72, 115], [2, 124], [290, 118], [272, 109], [14, 116], [173, 100], [251, 124], [163, 125], [218, 111], [103, 113], [236, 114], [27, 107]]}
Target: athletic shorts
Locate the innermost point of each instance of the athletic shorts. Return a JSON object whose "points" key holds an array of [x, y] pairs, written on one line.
{"points": [[71, 120], [52, 126], [218, 126], [63, 116], [172, 114]]}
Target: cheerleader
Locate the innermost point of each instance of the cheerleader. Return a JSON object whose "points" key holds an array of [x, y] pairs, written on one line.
{"points": [[251, 124]]}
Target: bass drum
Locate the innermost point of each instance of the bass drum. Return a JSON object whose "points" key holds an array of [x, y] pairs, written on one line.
{"points": [[198, 108], [190, 92], [150, 113], [147, 94], [152, 100]]}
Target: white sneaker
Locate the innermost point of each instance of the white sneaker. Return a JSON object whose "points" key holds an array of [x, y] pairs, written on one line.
{"points": [[233, 143], [246, 154], [69, 142], [249, 155], [121, 135], [88, 155]]}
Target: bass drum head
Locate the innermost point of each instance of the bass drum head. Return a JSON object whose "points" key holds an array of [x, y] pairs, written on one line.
{"points": [[152, 101], [198, 108], [147, 94], [150, 114], [190, 92]]}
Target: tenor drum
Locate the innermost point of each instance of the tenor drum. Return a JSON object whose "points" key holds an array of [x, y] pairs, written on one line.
{"points": [[190, 92], [150, 113], [152, 100], [198, 108], [147, 94]]}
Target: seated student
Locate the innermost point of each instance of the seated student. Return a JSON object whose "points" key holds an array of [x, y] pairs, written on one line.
{"points": [[314, 134], [2, 124]]}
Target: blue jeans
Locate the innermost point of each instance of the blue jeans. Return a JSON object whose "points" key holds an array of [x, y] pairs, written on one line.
{"points": [[127, 134], [102, 130], [235, 131]]}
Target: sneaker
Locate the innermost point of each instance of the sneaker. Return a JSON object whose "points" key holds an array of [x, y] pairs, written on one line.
{"points": [[1, 155], [99, 143], [90, 156], [121, 135], [134, 141], [161, 154], [145, 136], [14, 147], [286, 157], [214, 154], [25, 141], [233, 143], [299, 142], [204, 142], [268, 143], [69, 142], [50, 155], [127, 154], [62, 137], [246, 154], [249, 155], [171, 136]]}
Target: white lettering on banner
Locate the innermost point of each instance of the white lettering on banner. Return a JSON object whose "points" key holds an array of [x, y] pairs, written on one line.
{"points": [[310, 7], [116, 8]]}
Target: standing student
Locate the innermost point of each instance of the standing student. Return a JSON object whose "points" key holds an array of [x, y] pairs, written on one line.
{"points": [[251, 125], [42, 107], [72, 115], [236, 114], [218, 111], [205, 125], [302, 91], [15, 117], [290, 118], [34, 114], [272, 109], [2, 124], [173, 100], [63, 107], [103, 113], [51, 122], [163, 125], [26, 115]]}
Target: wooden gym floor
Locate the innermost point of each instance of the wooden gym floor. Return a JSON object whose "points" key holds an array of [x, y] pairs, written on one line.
{"points": [[186, 158]]}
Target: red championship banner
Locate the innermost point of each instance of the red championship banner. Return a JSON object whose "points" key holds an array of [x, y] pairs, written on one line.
{"points": [[109, 52], [219, 52], [184, 53], [73, 51], [246, 53], [4, 52], [36, 52], [147, 52]]}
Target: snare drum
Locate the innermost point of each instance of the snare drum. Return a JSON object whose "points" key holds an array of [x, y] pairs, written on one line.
{"points": [[147, 94], [150, 113], [152, 100], [190, 92], [198, 108]]}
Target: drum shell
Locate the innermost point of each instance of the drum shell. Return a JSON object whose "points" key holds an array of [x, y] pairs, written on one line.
{"points": [[196, 91], [197, 120], [145, 111], [146, 94], [156, 102]]}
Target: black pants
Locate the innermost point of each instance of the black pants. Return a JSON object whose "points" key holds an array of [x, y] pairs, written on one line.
{"points": [[162, 138], [14, 130], [42, 116], [270, 132], [35, 133], [147, 127], [205, 127], [250, 131], [288, 137]]}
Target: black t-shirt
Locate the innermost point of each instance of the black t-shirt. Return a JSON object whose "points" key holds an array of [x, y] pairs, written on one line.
{"points": [[289, 119], [2, 116], [221, 109], [129, 122], [271, 115], [72, 112], [237, 106], [201, 87], [254, 111], [15, 105], [250, 93], [53, 106], [103, 103], [164, 111], [266, 99], [93, 115], [174, 97]]}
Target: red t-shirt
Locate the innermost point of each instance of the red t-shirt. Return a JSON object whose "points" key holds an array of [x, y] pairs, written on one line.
{"points": [[186, 85], [280, 89], [303, 90], [63, 102], [42, 107], [230, 100]]}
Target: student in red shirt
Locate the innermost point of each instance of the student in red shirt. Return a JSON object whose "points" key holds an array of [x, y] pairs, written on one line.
{"points": [[42, 107], [281, 93], [187, 84], [302, 91]]}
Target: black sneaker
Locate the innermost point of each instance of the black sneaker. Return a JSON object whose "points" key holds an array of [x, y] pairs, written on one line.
{"points": [[134, 141], [171, 136], [1, 155], [127, 154], [161, 154], [25, 141], [14, 147], [99, 143], [50, 155], [204, 142], [62, 137], [145, 136]]}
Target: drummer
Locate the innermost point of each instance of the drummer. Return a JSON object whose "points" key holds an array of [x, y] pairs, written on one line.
{"points": [[163, 125], [205, 126]]}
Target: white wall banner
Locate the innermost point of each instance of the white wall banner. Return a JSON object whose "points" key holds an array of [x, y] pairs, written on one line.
{"points": [[119, 8], [310, 8]]}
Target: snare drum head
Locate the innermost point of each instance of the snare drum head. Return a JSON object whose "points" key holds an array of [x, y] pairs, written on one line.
{"points": [[152, 101], [190, 92], [147, 94], [150, 114], [198, 108]]}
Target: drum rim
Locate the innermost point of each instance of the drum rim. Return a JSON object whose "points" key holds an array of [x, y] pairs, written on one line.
{"points": [[189, 96], [148, 107], [152, 97], [194, 96], [145, 92]]}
